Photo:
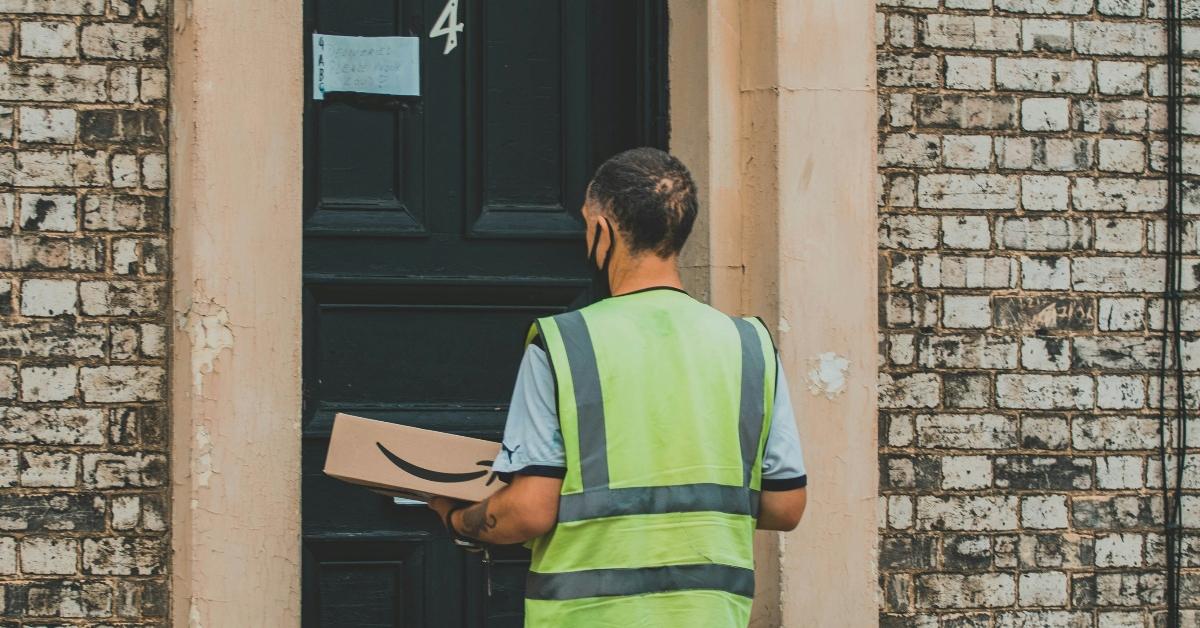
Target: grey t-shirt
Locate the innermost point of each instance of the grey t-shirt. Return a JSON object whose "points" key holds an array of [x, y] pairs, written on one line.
{"points": [[533, 443]]}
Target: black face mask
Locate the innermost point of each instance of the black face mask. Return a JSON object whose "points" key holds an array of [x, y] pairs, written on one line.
{"points": [[600, 287]]}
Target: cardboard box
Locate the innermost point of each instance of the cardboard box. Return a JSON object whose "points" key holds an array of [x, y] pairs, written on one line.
{"points": [[405, 461]]}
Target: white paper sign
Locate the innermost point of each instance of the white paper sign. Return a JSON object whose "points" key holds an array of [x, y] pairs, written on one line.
{"points": [[369, 65]]}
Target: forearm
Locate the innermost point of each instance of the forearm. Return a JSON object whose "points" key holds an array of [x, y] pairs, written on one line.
{"points": [[514, 514]]}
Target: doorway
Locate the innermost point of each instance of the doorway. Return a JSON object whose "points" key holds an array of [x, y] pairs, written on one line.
{"points": [[436, 228]]}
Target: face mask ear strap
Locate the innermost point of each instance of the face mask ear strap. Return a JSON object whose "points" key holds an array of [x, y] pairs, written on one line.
{"points": [[612, 246], [595, 244]]}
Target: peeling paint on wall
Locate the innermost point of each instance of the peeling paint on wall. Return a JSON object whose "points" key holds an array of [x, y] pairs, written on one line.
{"points": [[203, 460], [206, 323], [828, 374]]}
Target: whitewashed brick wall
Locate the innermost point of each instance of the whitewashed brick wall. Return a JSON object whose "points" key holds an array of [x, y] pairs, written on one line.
{"points": [[83, 257], [1021, 151]]}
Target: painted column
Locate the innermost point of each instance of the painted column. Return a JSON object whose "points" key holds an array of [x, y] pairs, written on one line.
{"points": [[827, 303], [236, 164]]}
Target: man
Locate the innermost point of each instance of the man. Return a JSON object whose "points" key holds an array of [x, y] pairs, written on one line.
{"points": [[648, 435]]}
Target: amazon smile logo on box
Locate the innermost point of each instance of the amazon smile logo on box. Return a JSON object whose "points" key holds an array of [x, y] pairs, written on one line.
{"points": [[400, 460]]}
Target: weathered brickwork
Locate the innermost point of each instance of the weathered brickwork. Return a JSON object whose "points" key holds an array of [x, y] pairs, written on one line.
{"points": [[83, 261], [1021, 202]]}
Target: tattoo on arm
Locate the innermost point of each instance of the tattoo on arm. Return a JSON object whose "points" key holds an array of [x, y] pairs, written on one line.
{"points": [[477, 521]]}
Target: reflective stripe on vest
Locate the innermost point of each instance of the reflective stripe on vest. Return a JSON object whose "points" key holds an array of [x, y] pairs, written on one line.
{"points": [[613, 582], [592, 494]]}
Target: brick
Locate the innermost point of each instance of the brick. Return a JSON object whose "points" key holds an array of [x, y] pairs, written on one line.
{"points": [[919, 390], [122, 41], [1127, 8], [1045, 353], [48, 297], [53, 383], [1044, 193], [907, 149], [127, 127], [966, 232], [918, 70], [967, 513], [123, 213], [52, 426], [1124, 512], [966, 472], [49, 556], [1045, 114], [65, 7], [1121, 78], [1120, 39], [1045, 273], [1043, 473], [1043, 75], [1046, 35], [968, 351], [1119, 472], [966, 272], [971, 32], [48, 39], [1122, 155], [955, 111], [124, 470], [1114, 433], [1045, 432], [1119, 550], [49, 470], [56, 126], [966, 431], [909, 232], [58, 512], [1120, 235], [1120, 392], [61, 169], [1070, 7], [1129, 195], [969, 312], [51, 82], [957, 191], [48, 212], [121, 298], [1044, 392], [1045, 234], [1044, 512], [109, 384], [1117, 274], [124, 556], [1047, 588], [965, 591], [973, 73], [123, 84], [68, 599]]}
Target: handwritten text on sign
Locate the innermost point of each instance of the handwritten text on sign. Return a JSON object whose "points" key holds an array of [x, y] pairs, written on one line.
{"points": [[369, 65]]}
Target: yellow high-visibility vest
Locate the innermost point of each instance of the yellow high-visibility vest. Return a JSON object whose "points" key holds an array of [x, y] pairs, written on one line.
{"points": [[664, 405]]}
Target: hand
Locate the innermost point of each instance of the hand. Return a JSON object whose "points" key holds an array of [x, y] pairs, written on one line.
{"points": [[442, 505]]}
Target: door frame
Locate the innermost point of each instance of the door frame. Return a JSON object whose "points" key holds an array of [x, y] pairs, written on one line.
{"points": [[754, 84]]}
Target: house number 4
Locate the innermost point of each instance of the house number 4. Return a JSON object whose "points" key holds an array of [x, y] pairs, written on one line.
{"points": [[448, 25]]}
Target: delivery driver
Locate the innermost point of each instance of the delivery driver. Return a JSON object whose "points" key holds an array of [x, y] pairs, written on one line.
{"points": [[649, 434]]}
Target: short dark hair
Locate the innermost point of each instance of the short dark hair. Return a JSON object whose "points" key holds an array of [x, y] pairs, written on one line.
{"points": [[651, 195]]}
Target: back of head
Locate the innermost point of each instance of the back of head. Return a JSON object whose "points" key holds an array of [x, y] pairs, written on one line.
{"points": [[651, 196]]}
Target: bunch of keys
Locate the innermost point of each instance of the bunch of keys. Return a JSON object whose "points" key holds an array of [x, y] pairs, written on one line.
{"points": [[485, 558]]}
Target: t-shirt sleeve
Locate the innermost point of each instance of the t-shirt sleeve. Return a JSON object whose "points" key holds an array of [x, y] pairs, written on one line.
{"points": [[783, 459], [533, 442]]}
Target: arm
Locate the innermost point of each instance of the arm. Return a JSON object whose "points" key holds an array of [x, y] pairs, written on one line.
{"points": [[523, 510], [782, 510]]}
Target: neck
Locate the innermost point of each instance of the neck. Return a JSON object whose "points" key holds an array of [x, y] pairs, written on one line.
{"points": [[627, 274]]}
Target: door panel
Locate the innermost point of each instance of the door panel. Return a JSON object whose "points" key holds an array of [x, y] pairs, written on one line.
{"points": [[436, 228]]}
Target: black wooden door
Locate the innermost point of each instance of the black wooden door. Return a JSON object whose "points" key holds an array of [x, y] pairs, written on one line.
{"points": [[435, 229]]}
